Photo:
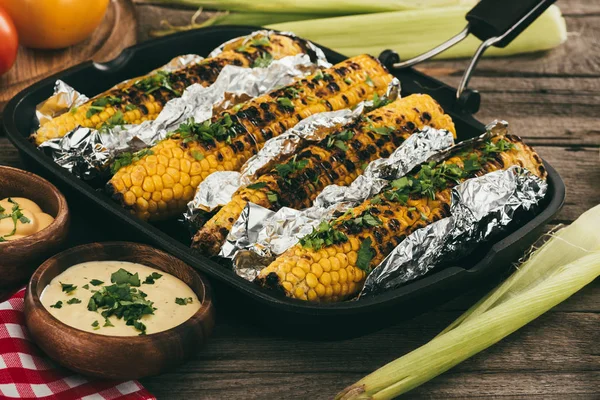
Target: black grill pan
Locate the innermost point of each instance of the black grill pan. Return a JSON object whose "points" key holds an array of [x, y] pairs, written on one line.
{"points": [[332, 321]]}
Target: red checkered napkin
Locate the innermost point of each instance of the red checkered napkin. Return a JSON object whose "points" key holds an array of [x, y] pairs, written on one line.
{"points": [[26, 373]]}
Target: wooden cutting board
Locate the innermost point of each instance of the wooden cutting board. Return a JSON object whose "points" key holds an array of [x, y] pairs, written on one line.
{"points": [[116, 32]]}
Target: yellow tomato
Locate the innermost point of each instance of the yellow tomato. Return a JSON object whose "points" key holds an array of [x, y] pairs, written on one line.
{"points": [[54, 24]]}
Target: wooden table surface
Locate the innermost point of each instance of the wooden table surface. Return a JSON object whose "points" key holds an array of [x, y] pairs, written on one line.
{"points": [[553, 101]]}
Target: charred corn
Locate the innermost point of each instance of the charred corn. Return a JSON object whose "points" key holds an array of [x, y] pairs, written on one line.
{"points": [[143, 98], [338, 159], [159, 183], [332, 262]]}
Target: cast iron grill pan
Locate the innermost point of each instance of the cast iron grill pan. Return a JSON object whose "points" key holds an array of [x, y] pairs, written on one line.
{"points": [[290, 317]]}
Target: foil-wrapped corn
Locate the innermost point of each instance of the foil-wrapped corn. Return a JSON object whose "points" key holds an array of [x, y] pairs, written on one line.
{"points": [[158, 182], [338, 159], [143, 98], [332, 262]]}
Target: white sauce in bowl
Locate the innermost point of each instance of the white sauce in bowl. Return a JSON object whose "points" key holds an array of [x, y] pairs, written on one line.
{"points": [[163, 293]]}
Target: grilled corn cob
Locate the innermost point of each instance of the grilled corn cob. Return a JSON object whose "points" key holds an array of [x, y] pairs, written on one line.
{"points": [[331, 263], [143, 98], [161, 182], [338, 159]]}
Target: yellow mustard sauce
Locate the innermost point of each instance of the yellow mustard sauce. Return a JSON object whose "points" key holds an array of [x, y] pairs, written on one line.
{"points": [[21, 217], [173, 302]]}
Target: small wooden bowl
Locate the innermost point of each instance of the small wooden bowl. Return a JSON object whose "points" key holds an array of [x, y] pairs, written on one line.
{"points": [[117, 357], [19, 258]]}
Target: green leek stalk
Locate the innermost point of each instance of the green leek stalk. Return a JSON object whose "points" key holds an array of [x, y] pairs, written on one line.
{"points": [[411, 33], [567, 262], [322, 7]]}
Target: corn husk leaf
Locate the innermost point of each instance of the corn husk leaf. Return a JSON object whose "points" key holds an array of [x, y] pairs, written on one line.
{"points": [[567, 262]]}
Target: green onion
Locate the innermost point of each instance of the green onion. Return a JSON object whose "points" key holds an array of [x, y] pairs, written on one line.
{"points": [[411, 33], [567, 262]]}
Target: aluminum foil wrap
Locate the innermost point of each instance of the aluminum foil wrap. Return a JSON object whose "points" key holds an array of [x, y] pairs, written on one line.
{"points": [[313, 51], [218, 188], [87, 154], [480, 207], [266, 233], [62, 100]]}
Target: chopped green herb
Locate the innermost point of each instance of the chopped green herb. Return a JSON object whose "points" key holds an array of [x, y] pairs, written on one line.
{"points": [[285, 103], [369, 81], [16, 215], [207, 131], [338, 139], [323, 235], [156, 81], [107, 323], [291, 167], [100, 104], [96, 325], [365, 255], [130, 107], [67, 287], [96, 282], [272, 197], [113, 121], [263, 61], [383, 130], [380, 101], [86, 286], [257, 185], [74, 300], [127, 158], [260, 42], [423, 217], [139, 326], [74, 110], [122, 277], [293, 92], [57, 305], [348, 81], [182, 302], [197, 155], [152, 277], [318, 75]]}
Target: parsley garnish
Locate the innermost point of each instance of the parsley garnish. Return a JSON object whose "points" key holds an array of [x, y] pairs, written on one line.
{"points": [[257, 185], [86, 286], [369, 81], [220, 130], [107, 323], [96, 282], [338, 139], [100, 104], [318, 75], [380, 101], [96, 325], [263, 61], [323, 235], [285, 103], [197, 155], [365, 255], [158, 80], [348, 81], [74, 300], [260, 42], [67, 287], [125, 277], [127, 158], [122, 300], [113, 121], [16, 214], [272, 196], [182, 301], [291, 167], [130, 107], [57, 305], [152, 277]]}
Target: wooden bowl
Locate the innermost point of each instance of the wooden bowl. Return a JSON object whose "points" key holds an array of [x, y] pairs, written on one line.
{"points": [[19, 258], [117, 357]]}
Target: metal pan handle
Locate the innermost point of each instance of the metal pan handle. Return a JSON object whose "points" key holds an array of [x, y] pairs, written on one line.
{"points": [[495, 23]]}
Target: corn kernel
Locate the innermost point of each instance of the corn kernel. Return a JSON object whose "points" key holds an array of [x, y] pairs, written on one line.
{"points": [[325, 279], [325, 263], [312, 295], [299, 272], [311, 280], [320, 289], [316, 269]]}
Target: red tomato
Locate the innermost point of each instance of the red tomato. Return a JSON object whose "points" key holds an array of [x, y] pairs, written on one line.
{"points": [[9, 43]]}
